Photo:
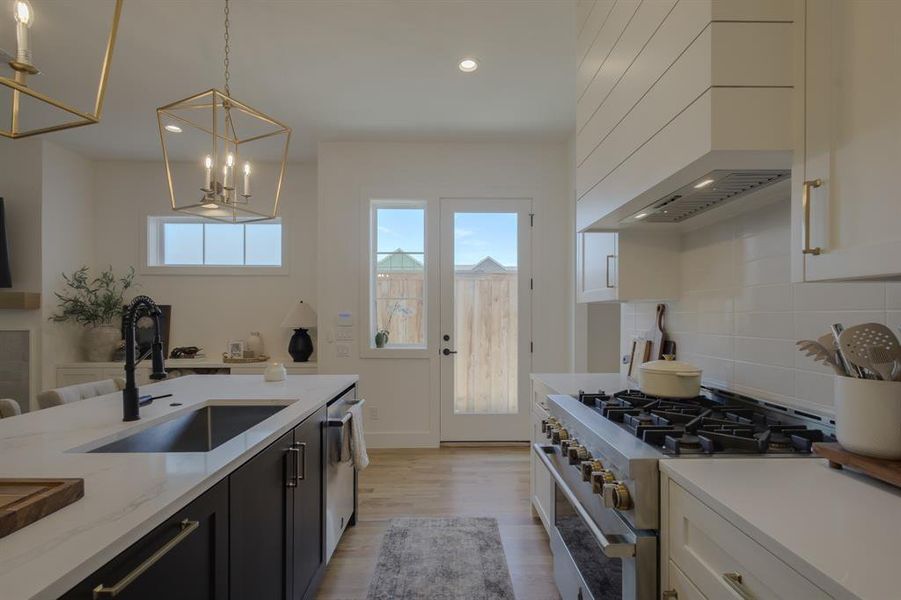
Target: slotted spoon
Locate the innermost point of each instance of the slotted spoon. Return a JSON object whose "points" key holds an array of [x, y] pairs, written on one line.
{"points": [[883, 361], [855, 342]]}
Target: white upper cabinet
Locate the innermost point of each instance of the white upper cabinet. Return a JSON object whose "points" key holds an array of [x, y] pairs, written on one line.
{"points": [[672, 90], [849, 144], [627, 266]]}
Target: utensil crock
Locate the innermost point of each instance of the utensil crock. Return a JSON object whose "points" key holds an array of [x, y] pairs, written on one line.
{"points": [[868, 416]]}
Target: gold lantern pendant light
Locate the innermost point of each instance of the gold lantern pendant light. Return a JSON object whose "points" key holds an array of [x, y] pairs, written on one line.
{"points": [[23, 68], [229, 132]]}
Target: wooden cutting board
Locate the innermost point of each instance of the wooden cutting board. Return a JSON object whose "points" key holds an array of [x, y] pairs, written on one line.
{"points": [[883, 469], [657, 334], [24, 501]]}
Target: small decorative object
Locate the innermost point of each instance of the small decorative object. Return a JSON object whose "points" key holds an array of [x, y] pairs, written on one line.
{"points": [[185, 352], [254, 344], [275, 372], [236, 349], [300, 318], [381, 338], [96, 304]]}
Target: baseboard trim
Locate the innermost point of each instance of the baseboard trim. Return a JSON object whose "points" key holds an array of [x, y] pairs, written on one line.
{"points": [[401, 440], [484, 444]]}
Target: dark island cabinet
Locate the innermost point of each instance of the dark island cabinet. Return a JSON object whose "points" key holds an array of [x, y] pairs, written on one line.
{"points": [[184, 558], [258, 534]]}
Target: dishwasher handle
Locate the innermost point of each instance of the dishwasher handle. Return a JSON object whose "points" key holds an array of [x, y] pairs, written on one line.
{"points": [[610, 548], [343, 420]]}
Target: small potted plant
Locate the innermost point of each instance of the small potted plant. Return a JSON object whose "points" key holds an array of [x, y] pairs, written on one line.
{"points": [[381, 336], [95, 303]]}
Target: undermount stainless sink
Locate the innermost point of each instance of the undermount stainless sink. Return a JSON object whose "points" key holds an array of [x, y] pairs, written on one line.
{"points": [[200, 430]]}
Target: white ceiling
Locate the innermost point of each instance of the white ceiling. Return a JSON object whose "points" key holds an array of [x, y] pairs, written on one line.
{"points": [[330, 69]]}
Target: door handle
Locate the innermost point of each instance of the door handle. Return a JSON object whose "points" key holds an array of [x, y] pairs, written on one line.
{"points": [[607, 274], [186, 528], [300, 467], [448, 352], [293, 452], [805, 220]]}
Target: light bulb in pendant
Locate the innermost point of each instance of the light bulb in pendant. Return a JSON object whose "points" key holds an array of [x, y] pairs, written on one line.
{"points": [[24, 16], [208, 169], [246, 179]]}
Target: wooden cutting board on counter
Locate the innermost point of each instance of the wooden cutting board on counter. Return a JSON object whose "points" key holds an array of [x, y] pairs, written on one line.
{"points": [[883, 469], [24, 501]]}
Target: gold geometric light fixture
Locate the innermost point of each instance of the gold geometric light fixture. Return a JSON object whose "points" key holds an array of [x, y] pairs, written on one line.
{"points": [[23, 67], [215, 149]]}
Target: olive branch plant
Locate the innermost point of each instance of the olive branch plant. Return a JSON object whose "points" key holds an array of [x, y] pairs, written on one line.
{"points": [[94, 301]]}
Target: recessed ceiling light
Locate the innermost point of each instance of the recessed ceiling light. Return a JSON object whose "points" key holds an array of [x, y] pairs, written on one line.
{"points": [[641, 216], [173, 128], [704, 183], [468, 65]]}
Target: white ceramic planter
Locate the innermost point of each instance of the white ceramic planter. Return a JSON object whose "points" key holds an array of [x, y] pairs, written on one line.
{"points": [[669, 379], [100, 342], [868, 416]]}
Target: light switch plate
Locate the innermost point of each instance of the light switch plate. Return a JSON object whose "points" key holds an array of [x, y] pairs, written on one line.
{"points": [[342, 350], [344, 334]]}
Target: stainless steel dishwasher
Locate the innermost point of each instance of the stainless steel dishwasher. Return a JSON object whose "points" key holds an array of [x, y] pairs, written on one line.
{"points": [[340, 475]]}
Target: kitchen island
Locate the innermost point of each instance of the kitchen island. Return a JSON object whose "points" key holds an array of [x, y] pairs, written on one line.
{"points": [[127, 495]]}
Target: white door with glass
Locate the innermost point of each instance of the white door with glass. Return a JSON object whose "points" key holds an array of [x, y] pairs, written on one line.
{"points": [[485, 313]]}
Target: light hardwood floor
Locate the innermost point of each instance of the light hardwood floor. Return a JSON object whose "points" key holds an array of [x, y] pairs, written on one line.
{"points": [[441, 482]]}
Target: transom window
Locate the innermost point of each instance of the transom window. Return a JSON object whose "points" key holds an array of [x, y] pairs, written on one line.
{"points": [[398, 273], [195, 242]]}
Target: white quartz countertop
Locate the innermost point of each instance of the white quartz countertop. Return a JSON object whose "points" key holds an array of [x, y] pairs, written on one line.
{"points": [[127, 495], [839, 529], [570, 383]]}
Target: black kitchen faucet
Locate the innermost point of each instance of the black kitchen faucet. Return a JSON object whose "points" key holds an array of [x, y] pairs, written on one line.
{"points": [[130, 406]]}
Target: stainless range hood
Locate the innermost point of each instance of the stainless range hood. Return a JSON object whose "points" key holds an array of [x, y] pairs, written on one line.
{"points": [[710, 191]]}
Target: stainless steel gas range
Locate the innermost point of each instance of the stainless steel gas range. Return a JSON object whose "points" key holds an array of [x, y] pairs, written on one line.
{"points": [[603, 452]]}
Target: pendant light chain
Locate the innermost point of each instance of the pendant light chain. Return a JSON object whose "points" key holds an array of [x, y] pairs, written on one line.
{"points": [[227, 48]]}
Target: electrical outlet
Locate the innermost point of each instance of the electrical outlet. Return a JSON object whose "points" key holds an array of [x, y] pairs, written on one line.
{"points": [[344, 334], [374, 413], [342, 350]]}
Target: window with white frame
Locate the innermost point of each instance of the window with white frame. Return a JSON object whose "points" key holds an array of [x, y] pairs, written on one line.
{"points": [[195, 242], [398, 273]]}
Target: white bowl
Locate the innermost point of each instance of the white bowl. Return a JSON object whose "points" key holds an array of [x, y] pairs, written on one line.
{"points": [[868, 416]]}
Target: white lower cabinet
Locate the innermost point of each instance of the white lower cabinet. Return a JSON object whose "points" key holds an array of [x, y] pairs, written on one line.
{"points": [[705, 556]]}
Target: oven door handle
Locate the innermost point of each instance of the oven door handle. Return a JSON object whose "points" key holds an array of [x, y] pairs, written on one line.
{"points": [[610, 549]]}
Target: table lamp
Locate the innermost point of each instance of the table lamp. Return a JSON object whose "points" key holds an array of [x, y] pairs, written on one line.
{"points": [[300, 318]]}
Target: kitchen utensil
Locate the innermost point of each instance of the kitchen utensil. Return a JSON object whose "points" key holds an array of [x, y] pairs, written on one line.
{"points": [[883, 361], [896, 371], [828, 342], [668, 348], [27, 500], [867, 416], [840, 358], [820, 354], [855, 340], [669, 379], [656, 334]]}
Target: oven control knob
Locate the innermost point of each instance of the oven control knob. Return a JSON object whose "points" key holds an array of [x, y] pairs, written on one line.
{"points": [[601, 478], [616, 495], [588, 466], [559, 434], [572, 452]]}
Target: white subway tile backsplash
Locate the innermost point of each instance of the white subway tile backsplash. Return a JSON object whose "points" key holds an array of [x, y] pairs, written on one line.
{"points": [[765, 324], [778, 353], [839, 296], [739, 315], [763, 298]]}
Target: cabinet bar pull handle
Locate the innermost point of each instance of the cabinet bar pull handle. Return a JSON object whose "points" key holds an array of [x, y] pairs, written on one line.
{"points": [[607, 274], [736, 582], [805, 221], [293, 451], [187, 528], [669, 595], [302, 460]]}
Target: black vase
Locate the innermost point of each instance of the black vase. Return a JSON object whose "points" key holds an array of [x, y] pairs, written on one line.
{"points": [[301, 346]]}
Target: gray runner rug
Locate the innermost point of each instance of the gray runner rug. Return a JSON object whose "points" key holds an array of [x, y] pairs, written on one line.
{"points": [[441, 559]]}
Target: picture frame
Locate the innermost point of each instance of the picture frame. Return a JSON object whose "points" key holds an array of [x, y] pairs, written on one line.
{"points": [[236, 349]]}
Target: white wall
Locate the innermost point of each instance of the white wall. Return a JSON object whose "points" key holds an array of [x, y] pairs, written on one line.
{"points": [[602, 329], [739, 315], [67, 243], [20, 186], [402, 392], [208, 310]]}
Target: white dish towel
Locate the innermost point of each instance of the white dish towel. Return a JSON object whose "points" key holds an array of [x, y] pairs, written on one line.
{"points": [[357, 441]]}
